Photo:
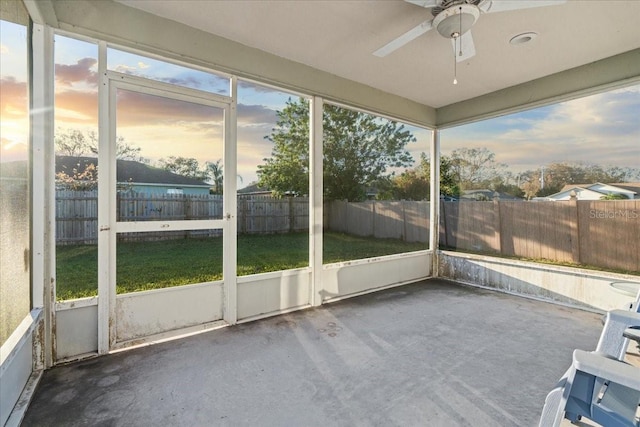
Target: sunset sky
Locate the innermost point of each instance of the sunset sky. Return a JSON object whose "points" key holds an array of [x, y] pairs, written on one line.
{"points": [[602, 129]]}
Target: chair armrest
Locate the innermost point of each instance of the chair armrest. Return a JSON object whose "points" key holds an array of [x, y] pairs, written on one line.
{"points": [[632, 334], [608, 369], [631, 318]]}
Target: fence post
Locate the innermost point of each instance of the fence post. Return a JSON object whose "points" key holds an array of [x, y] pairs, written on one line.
{"points": [[373, 218], [187, 207], [444, 229], [291, 215], [498, 230], [575, 231], [242, 215], [404, 222]]}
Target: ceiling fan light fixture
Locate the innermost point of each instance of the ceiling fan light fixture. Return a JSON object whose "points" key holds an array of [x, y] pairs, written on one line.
{"points": [[456, 20], [523, 38]]}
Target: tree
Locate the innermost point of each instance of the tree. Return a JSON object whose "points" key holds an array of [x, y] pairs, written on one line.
{"points": [[73, 143], [184, 166], [511, 189], [287, 170], [359, 150], [216, 176], [411, 185], [449, 185], [79, 179], [76, 143], [476, 168], [414, 184]]}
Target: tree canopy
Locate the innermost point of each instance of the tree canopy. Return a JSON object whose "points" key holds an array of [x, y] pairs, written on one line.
{"points": [[360, 151], [184, 166], [75, 143], [476, 168], [414, 184], [210, 172]]}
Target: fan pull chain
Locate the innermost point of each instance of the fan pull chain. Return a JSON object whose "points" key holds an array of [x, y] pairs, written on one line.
{"points": [[455, 65]]}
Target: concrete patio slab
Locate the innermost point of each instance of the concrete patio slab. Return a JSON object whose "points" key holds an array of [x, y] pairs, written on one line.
{"points": [[432, 353]]}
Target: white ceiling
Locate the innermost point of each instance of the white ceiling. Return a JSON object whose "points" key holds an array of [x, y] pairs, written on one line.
{"points": [[339, 37]]}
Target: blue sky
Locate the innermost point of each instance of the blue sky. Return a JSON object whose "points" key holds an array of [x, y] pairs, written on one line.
{"points": [[602, 129]]}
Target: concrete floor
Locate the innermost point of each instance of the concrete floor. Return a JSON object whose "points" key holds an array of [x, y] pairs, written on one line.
{"points": [[431, 354]]}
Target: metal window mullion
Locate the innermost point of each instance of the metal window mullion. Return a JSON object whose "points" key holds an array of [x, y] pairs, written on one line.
{"points": [[194, 64], [43, 182], [167, 90], [315, 198], [164, 226], [230, 239], [434, 206], [106, 208]]}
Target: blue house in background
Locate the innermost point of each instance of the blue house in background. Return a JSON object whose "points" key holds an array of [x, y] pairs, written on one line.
{"points": [[137, 177]]}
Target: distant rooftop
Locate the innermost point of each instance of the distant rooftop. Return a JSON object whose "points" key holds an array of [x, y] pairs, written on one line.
{"points": [[128, 171], [630, 186]]}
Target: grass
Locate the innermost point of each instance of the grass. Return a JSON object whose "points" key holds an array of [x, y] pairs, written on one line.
{"points": [[154, 265]]}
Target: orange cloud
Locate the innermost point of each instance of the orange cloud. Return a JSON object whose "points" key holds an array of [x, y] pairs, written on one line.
{"points": [[83, 102], [13, 102]]}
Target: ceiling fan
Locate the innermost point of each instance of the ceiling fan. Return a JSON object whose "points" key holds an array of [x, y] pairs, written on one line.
{"points": [[454, 18]]}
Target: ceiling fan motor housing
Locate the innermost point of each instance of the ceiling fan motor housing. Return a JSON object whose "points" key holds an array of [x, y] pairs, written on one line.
{"points": [[456, 20]]}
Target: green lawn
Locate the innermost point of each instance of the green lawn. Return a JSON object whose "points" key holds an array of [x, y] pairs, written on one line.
{"points": [[153, 265]]}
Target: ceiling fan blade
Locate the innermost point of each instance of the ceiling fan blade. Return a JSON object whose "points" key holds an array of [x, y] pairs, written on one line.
{"points": [[465, 46], [491, 6], [427, 4], [404, 39]]}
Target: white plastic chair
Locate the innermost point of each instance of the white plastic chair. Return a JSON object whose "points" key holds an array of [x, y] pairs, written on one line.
{"points": [[593, 386], [599, 388]]}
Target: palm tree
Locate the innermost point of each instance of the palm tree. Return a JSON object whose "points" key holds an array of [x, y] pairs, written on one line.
{"points": [[214, 171]]}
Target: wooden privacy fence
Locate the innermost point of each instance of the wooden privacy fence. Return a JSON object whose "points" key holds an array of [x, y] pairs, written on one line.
{"points": [[271, 215], [599, 233], [77, 214], [405, 220], [76, 217]]}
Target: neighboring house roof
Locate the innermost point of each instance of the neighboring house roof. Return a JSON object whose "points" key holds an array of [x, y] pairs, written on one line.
{"points": [[569, 187], [630, 186], [128, 171], [581, 194], [628, 190], [254, 188], [597, 190]]}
